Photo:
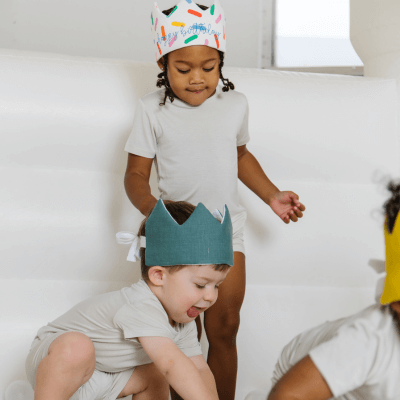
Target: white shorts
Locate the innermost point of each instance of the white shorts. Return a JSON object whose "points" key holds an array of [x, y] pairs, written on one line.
{"points": [[238, 222], [101, 385]]}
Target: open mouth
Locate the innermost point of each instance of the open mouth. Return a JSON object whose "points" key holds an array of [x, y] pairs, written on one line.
{"points": [[194, 311]]}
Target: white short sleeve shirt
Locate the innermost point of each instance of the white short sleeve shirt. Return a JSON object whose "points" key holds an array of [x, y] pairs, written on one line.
{"points": [[114, 321], [358, 356], [194, 147]]}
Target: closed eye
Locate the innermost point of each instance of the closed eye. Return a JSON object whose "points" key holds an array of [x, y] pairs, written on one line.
{"points": [[186, 71], [200, 286]]}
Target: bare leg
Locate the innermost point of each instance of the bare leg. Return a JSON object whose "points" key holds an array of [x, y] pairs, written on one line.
{"points": [[146, 383], [221, 323], [69, 364]]}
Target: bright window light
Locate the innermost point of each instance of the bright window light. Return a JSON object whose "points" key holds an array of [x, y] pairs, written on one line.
{"points": [[313, 33]]}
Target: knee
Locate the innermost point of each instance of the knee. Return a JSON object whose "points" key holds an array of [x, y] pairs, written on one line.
{"points": [[160, 388], [225, 327], [75, 351]]}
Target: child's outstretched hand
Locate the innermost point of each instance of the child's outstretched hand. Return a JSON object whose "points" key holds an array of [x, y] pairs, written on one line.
{"points": [[286, 206]]}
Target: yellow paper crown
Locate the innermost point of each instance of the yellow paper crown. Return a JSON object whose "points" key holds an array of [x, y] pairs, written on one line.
{"points": [[391, 291]]}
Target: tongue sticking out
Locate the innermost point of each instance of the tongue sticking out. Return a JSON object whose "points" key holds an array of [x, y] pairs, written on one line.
{"points": [[193, 312]]}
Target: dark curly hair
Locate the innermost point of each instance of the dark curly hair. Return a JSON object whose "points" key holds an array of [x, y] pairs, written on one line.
{"points": [[392, 205], [180, 211], [163, 76]]}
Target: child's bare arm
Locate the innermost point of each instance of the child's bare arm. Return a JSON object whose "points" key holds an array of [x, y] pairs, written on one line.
{"points": [[137, 186], [302, 382], [205, 372], [284, 204], [253, 176], [181, 372]]}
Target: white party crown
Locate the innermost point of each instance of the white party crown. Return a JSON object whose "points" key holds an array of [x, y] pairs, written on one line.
{"points": [[188, 25]]}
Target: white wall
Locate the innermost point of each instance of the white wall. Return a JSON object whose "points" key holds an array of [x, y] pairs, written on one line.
{"points": [[114, 29]]}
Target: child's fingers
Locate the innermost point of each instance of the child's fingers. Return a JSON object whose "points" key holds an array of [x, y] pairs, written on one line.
{"points": [[293, 195], [298, 212], [299, 206], [295, 199], [293, 216]]}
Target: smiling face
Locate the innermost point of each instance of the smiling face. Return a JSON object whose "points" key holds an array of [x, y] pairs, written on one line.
{"points": [[193, 73], [188, 292]]}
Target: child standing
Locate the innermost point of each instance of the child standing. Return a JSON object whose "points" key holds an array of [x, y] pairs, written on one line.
{"points": [[137, 340], [196, 133]]}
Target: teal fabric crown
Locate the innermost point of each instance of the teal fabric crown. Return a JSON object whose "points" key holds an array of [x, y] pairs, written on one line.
{"points": [[202, 239]]}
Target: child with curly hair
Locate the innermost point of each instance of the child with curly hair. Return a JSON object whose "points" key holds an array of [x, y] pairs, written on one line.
{"points": [[196, 134]]}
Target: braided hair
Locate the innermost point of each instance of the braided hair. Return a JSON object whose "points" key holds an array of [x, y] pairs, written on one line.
{"points": [[163, 76], [392, 205], [227, 83], [163, 81]]}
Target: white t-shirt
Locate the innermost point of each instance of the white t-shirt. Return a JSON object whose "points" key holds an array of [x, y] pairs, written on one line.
{"points": [[194, 147], [114, 321], [358, 356]]}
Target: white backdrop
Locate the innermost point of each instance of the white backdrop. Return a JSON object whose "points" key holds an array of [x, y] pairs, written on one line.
{"points": [[115, 29], [63, 125]]}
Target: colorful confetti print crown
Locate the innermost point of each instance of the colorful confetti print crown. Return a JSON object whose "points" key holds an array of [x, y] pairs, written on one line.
{"points": [[202, 239], [188, 25], [391, 291]]}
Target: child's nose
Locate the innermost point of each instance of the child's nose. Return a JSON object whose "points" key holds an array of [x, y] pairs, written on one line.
{"points": [[211, 294], [197, 77]]}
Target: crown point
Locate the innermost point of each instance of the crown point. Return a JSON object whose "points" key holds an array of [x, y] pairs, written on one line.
{"points": [[201, 239], [176, 7]]}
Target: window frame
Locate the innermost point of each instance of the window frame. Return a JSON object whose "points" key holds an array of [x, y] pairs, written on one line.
{"points": [[268, 47]]}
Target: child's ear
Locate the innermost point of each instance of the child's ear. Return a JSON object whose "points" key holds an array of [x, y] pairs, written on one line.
{"points": [[157, 275], [160, 63], [395, 307]]}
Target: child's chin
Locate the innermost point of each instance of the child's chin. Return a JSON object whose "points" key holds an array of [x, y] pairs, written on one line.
{"points": [[185, 319]]}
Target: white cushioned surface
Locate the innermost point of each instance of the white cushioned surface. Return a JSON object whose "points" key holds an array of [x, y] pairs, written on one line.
{"points": [[63, 124]]}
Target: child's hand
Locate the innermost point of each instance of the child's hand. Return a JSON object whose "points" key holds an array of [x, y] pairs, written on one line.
{"points": [[286, 205]]}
